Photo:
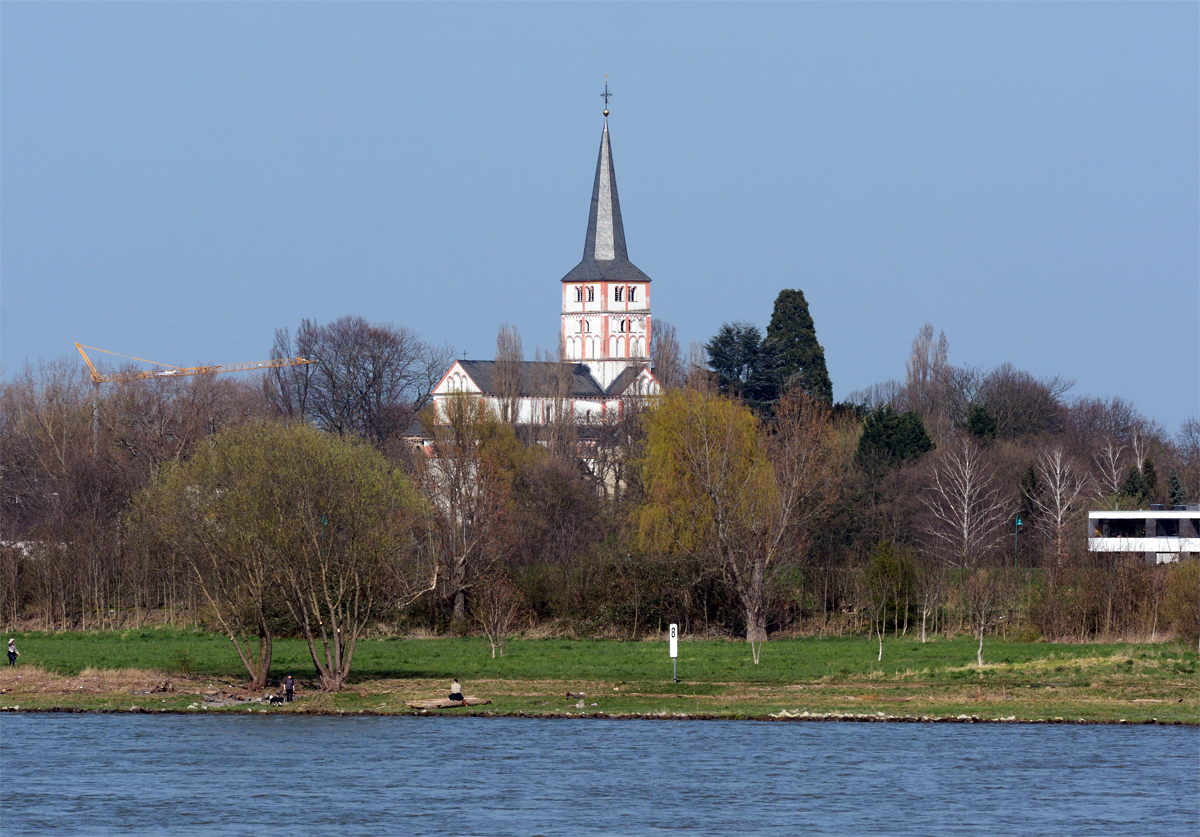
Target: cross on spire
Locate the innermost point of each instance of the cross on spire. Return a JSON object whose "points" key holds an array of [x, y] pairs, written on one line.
{"points": [[606, 95]]}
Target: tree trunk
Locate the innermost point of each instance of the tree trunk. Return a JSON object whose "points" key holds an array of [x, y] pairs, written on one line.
{"points": [[754, 601], [979, 652], [459, 615], [756, 628]]}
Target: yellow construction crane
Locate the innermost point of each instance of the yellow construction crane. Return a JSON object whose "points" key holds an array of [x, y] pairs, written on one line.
{"points": [[169, 371]]}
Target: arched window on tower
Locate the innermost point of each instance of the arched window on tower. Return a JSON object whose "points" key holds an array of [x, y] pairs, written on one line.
{"points": [[591, 293], [617, 293], [578, 293], [633, 293]]}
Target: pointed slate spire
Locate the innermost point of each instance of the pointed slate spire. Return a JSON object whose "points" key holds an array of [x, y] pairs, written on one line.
{"points": [[604, 254], [605, 234]]}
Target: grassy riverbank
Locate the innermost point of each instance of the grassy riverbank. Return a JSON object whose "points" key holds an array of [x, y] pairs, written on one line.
{"points": [[838, 676]]}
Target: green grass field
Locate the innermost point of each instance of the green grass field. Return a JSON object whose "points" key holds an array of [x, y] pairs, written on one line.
{"points": [[1134, 682]]}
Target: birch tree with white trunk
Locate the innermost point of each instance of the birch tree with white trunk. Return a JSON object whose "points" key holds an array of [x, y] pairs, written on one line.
{"points": [[1064, 485]]}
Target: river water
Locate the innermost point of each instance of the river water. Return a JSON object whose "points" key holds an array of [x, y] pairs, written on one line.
{"points": [[207, 775]]}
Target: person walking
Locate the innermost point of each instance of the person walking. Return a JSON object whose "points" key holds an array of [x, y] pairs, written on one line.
{"points": [[289, 687], [13, 653]]}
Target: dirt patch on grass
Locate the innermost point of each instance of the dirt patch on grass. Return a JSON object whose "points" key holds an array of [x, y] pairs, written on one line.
{"points": [[33, 680]]}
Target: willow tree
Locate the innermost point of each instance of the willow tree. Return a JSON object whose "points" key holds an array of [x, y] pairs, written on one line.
{"points": [[721, 486], [322, 523]]}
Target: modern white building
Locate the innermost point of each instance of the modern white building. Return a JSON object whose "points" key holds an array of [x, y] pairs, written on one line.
{"points": [[1161, 535]]}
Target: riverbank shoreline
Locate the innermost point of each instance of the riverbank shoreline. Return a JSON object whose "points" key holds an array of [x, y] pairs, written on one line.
{"points": [[148, 692], [798, 679], [606, 716]]}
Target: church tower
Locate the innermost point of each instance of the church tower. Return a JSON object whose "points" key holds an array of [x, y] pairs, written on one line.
{"points": [[606, 299]]}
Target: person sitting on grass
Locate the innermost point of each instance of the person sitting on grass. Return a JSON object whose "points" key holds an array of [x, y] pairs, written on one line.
{"points": [[456, 691]]}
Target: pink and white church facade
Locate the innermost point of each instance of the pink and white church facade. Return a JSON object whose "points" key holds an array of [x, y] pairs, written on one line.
{"points": [[605, 331]]}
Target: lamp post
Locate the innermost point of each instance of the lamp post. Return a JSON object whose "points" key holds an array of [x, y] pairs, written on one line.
{"points": [[1016, 538]]}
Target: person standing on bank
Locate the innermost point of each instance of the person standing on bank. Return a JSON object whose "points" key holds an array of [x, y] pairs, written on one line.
{"points": [[289, 687], [13, 653], [456, 691]]}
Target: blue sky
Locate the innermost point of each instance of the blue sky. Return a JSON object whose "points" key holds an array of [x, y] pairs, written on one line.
{"points": [[178, 180]]}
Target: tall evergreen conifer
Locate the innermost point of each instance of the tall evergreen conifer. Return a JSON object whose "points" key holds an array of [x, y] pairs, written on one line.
{"points": [[1178, 494], [892, 437], [793, 331], [1149, 475], [982, 424], [1135, 485]]}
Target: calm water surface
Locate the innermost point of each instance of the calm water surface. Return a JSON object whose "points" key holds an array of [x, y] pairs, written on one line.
{"points": [[188, 775]]}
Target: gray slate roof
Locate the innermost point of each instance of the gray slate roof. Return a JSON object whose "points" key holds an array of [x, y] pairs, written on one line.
{"points": [[537, 378], [605, 258]]}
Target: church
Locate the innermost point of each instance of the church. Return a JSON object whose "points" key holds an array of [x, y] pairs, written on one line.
{"points": [[604, 342]]}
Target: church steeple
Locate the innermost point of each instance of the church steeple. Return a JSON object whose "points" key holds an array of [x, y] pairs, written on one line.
{"points": [[605, 258], [606, 299], [605, 233]]}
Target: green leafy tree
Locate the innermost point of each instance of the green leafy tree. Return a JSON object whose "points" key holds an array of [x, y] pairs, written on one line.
{"points": [[892, 437], [792, 330], [286, 510], [982, 424]]}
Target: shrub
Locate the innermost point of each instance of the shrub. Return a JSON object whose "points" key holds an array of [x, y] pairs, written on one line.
{"points": [[1181, 602]]}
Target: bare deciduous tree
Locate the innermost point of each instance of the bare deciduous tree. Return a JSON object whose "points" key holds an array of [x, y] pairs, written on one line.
{"points": [[1063, 486], [1021, 403], [665, 355], [506, 379], [926, 383], [876, 396], [553, 377], [162, 419], [967, 507], [1110, 467], [1188, 445], [496, 608], [930, 586], [987, 593], [367, 380], [468, 477]]}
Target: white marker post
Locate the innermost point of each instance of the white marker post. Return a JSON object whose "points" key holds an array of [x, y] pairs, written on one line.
{"points": [[674, 652]]}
